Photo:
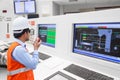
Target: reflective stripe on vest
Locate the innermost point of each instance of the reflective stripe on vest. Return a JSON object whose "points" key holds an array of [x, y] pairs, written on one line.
{"points": [[18, 71]]}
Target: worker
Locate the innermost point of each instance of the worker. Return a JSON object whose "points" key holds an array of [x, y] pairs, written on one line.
{"points": [[20, 63]]}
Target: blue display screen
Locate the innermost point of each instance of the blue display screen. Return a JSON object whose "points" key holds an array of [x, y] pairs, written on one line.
{"points": [[99, 40]]}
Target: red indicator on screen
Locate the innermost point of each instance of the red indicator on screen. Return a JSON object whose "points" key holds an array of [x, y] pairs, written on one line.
{"points": [[102, 27]]}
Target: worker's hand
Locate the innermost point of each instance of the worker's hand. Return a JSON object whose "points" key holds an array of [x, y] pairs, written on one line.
{"points": [[37, 43]]}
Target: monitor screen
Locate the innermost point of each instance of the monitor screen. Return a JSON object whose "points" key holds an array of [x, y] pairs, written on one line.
{"points": [[30, 7], [19, 7], [99, 40], [47, 33], [24, 7]]}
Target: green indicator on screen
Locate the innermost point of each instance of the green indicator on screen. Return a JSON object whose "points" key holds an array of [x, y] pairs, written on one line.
{"points": [[84, 34], [51, 35], [82, 27]]}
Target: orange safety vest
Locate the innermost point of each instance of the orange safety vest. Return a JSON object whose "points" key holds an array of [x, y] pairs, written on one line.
{"points": [[16, 70]]}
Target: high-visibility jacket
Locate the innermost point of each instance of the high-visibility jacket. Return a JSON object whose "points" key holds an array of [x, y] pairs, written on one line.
{"points": [[16, 70]]}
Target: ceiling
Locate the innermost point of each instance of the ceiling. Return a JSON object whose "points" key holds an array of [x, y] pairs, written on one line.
{"points": [[90, 3]]}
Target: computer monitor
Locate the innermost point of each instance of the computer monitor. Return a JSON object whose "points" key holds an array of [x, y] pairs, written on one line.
{"points": [[99, 40], [47, 33], [24, 7]]}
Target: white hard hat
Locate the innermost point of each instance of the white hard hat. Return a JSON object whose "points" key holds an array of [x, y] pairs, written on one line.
{"points": [[20, 23]]}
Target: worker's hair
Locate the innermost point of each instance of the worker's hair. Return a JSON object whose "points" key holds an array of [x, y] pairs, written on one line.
{"points": [[17, 35]]}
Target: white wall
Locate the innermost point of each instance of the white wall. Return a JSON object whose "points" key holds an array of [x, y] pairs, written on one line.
{"points": [[64, 39], [56, 9], [5, 5], [44, 8], [47, 8]]}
